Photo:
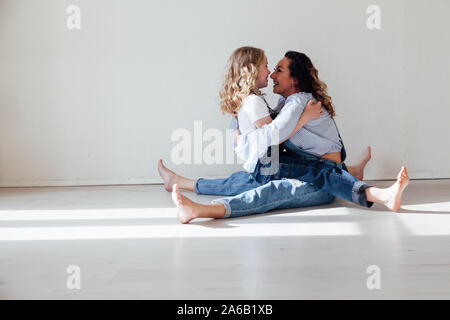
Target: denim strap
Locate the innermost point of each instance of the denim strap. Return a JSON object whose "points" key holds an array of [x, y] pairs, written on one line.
{"points": [[343, 152]]}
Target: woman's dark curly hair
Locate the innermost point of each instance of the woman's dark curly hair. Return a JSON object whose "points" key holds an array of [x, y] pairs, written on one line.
{"points": [[307, 76]]}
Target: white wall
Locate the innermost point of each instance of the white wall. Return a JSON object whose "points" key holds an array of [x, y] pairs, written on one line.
{"points": [[99, 105]]}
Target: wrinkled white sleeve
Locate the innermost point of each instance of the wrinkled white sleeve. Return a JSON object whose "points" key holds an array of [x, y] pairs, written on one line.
{"points": [[253, 146]]}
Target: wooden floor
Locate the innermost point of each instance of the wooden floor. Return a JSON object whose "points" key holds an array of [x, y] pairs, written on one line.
{"points": [[128, 244]]}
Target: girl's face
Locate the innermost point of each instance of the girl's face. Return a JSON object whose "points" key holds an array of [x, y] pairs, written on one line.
{"points": [[283, 83], [263, 75]]}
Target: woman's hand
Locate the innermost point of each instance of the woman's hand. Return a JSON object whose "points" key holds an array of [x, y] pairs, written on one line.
{"points": [[312, 110]]}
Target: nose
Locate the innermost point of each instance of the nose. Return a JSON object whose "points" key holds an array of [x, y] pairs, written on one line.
{"points": [[272, 76]]}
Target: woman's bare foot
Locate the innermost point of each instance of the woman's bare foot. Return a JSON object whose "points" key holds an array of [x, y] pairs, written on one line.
{"points": [[358, 170], [186, 207], [169, 177], [394, 201], [390, 197]]}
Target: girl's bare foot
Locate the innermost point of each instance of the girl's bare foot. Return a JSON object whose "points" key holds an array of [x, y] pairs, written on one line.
{"points": [[358, 170], [169, 177], [394, 200], [186, 207]]}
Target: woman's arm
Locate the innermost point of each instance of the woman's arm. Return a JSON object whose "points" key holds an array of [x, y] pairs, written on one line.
{"points": [[313, 110]]}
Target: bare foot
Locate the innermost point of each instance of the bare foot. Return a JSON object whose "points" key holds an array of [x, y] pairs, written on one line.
{"points": [[394, 201], [169, 177], [358, 170], [186, 207]]}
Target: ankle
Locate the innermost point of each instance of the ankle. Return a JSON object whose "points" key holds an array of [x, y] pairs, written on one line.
{"points": [[214, 210], [380, 196], [360, 165]]}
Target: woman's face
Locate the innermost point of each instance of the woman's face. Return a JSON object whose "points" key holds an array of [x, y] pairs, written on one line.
{"points": [[263, 75], [283, 83]]}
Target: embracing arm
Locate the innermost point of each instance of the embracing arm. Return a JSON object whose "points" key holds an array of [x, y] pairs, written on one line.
{"points": [[253, 145], [313, 110], [288, 121], [266, 120]]}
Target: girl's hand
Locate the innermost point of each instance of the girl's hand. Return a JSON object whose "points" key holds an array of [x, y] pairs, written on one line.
{"points": [[312, 110]]}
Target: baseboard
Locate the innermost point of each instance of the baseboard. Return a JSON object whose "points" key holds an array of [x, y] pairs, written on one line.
{"points": [[109, 182]]}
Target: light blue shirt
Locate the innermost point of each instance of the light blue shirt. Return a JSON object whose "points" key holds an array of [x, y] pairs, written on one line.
{"points": [[319, 136]]}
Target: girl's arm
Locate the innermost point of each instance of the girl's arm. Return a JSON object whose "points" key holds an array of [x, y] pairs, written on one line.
{"points": [[266, 120], [258, 123]]}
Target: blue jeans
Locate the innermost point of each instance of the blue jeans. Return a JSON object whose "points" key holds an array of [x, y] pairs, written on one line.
{"points": [[235, 184], [326, 175], [274, 195], [249, 197]]}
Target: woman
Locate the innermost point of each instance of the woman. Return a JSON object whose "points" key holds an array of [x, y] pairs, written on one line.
{"points": [[304, 75]]}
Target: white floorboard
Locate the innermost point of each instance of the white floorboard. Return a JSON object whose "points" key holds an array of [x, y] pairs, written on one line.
{"points": [[129, 245]]}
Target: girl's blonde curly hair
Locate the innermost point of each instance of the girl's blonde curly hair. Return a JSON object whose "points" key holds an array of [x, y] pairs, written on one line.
{"points": [[240, 78]]}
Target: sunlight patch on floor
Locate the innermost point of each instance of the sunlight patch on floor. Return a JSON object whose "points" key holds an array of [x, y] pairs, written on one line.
{"points": [[232, 229]]}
